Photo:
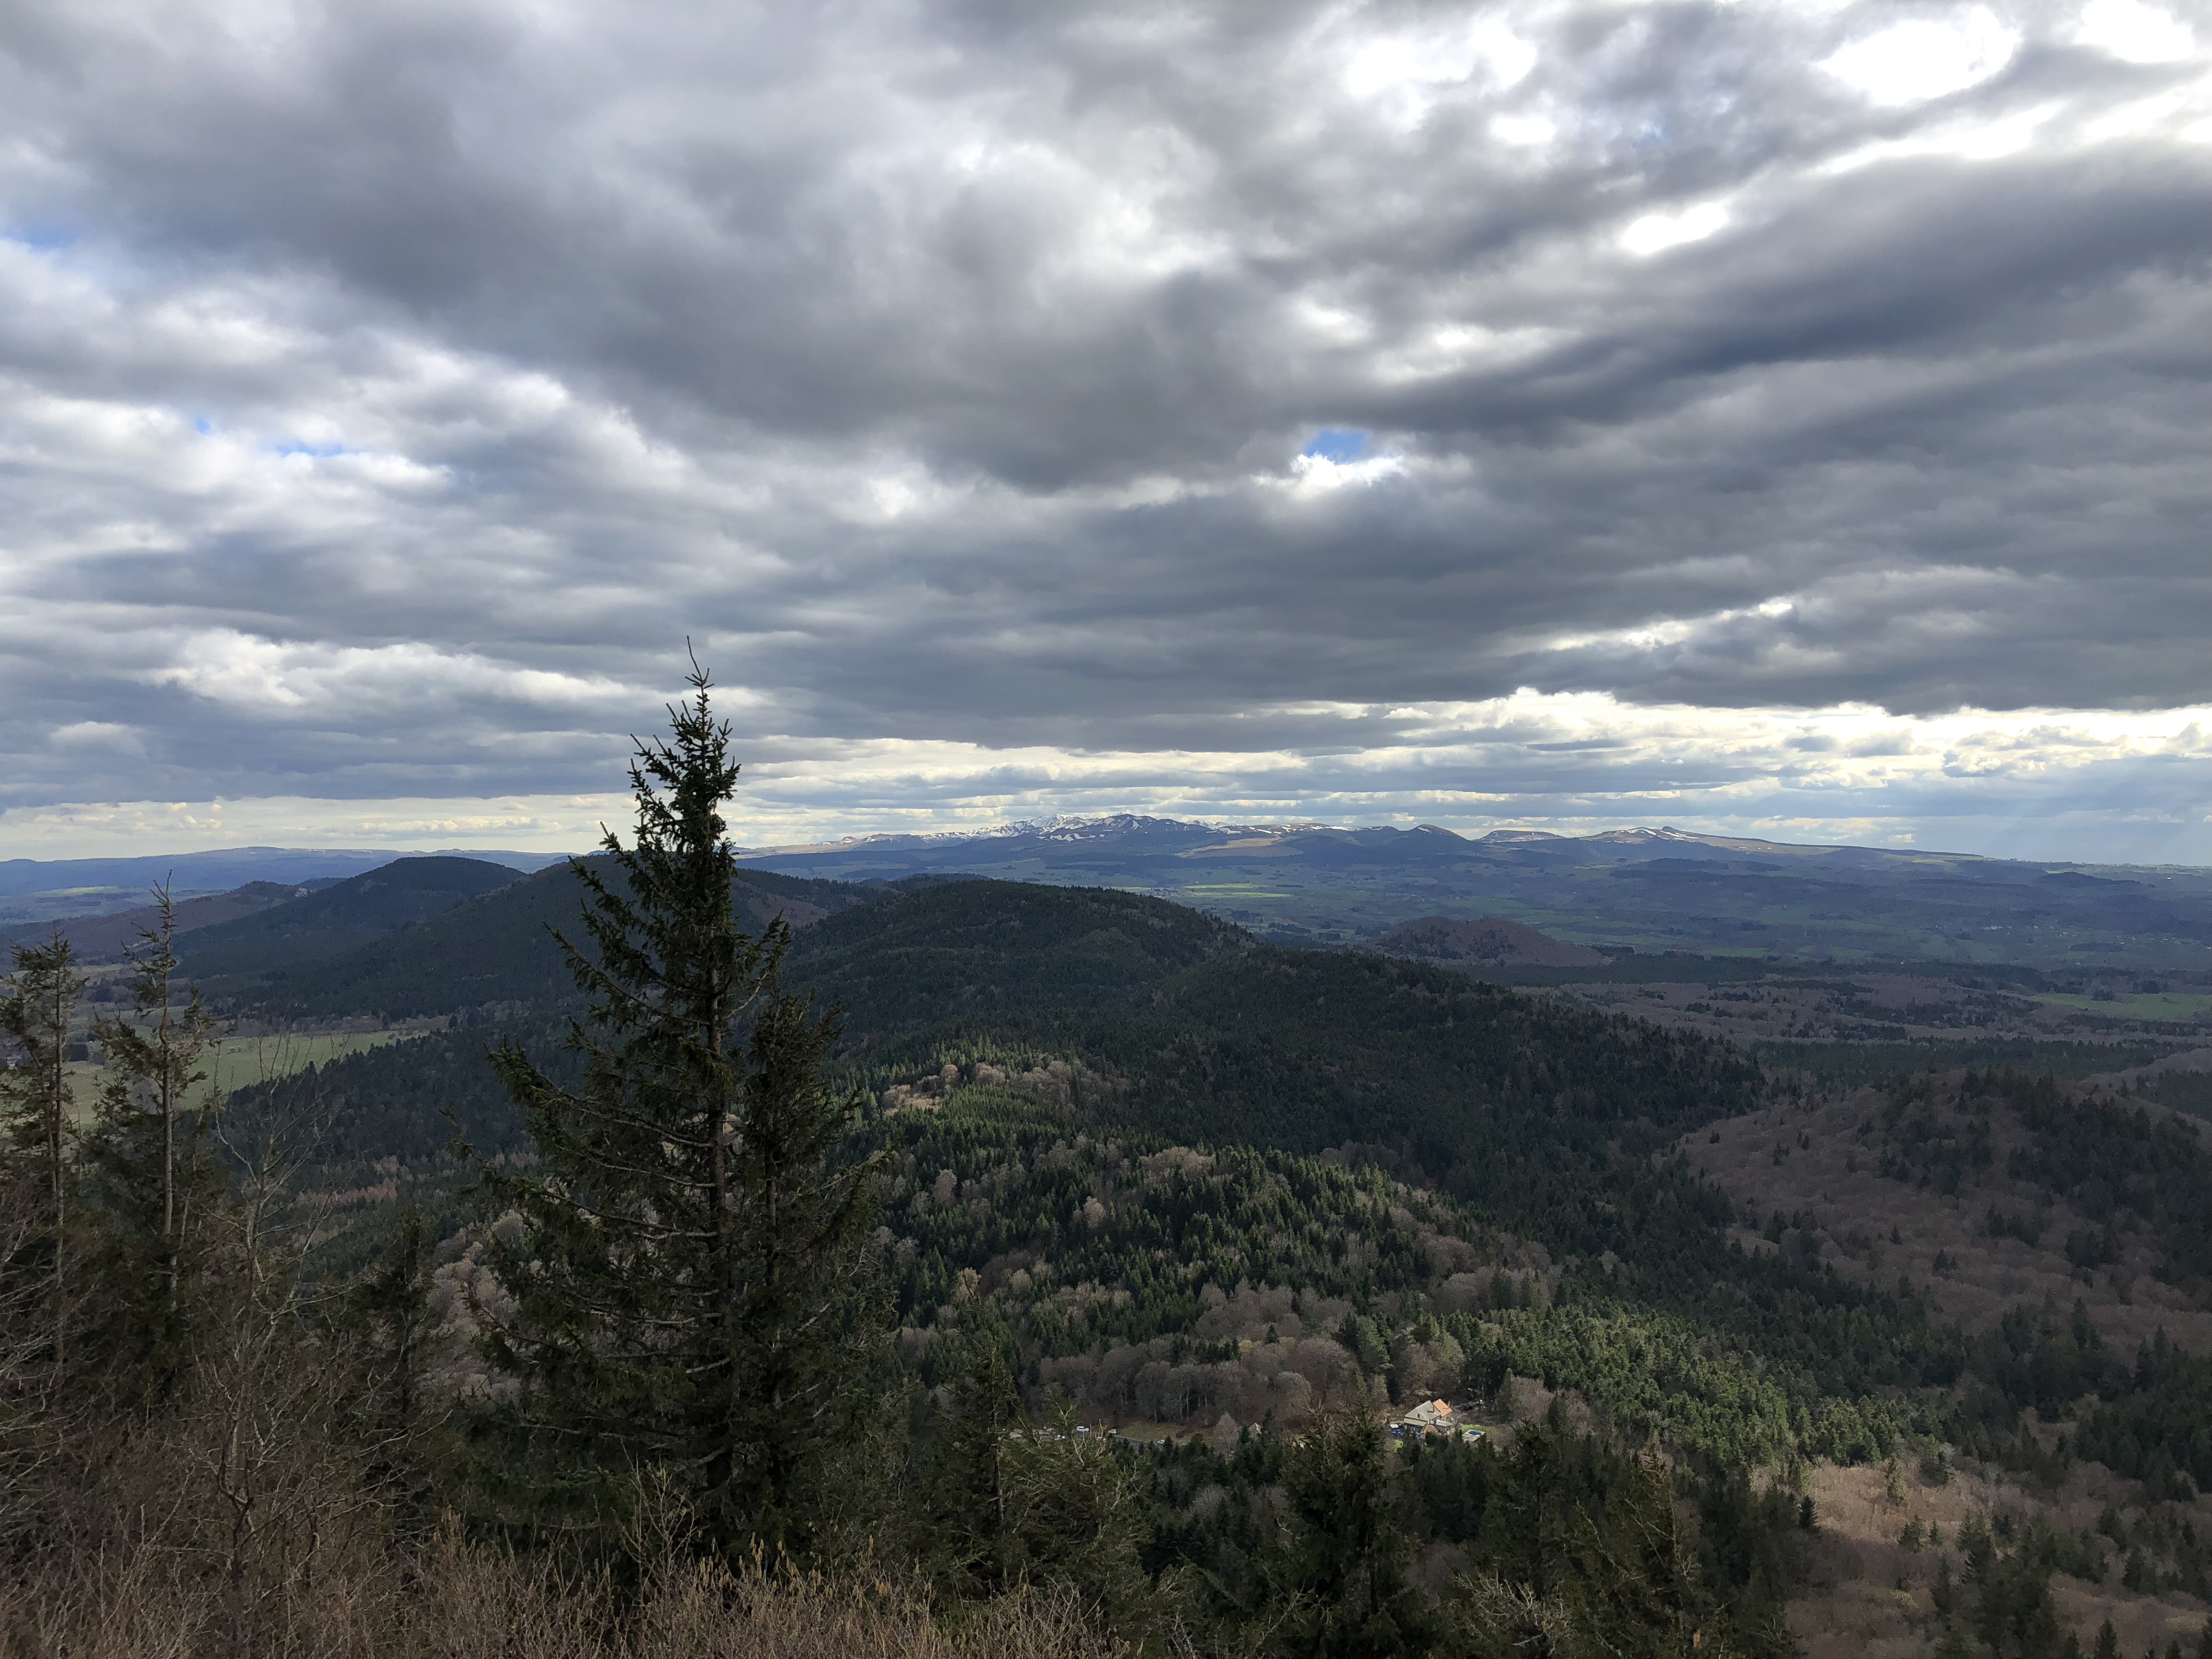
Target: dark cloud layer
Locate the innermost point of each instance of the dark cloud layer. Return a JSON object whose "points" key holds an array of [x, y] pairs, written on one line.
{"points": [[386, 388]]}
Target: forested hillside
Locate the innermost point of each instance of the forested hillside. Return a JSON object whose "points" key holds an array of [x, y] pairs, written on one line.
{"points": [[491, 952], [340, 916], [1544, 1114]]}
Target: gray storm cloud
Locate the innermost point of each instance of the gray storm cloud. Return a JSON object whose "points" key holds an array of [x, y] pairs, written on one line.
{"points": [[385, 389]]}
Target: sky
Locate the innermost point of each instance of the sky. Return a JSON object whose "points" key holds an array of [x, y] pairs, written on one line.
{"points": [[1784, 417]]}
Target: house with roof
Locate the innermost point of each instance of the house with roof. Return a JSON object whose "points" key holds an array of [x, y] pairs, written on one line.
{"points": [[1435, 1417]]}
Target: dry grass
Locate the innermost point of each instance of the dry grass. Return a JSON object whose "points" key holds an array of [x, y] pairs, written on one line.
{"points": [[1870, 1595], [460, 1601]]}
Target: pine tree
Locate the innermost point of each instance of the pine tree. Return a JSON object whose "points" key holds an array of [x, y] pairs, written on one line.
{"points": [[152, 1175], [690, 1278], [37, 1104]]}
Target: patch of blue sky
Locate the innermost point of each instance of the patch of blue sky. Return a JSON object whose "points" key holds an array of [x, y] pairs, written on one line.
{"points": [[298, 447], [46, 239], [1337, 443]]}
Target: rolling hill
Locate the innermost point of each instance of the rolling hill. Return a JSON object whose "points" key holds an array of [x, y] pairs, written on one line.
{"points": [[1204, 1175], [488, 949], [338, 917], [1204, 1033], [104, 938]]}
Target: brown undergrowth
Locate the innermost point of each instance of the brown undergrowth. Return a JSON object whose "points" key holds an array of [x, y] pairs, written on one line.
{"points": [[1870, 1595], [456, 1600]]}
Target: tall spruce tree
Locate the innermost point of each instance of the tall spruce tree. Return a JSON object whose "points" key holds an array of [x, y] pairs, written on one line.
{"points": [[152, 1173], [971, 1551], [37, 1108], [1341, 1566], [690, 1277]]}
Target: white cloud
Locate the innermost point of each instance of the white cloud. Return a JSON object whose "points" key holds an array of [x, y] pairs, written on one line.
{"points": [[1655, 232], [1925, 58], [1403, 73], [278, 676], [1317, 474], [2134, 32], [1524, 130]]}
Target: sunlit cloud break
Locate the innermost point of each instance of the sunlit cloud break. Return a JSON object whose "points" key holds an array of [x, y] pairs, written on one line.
{"points": [[1578, 763]]}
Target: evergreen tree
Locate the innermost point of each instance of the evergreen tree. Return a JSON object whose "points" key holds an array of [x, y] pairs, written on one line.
{"points": [[152, 1175], [688, 1279], [1076, 1517], [37, 1104], [391, 1316], [1581, 1552], [1341, 1564], [973, 1535]]}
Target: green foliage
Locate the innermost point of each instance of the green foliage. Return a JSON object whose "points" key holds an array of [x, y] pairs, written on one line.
{"points": [[151, 1170], [1023, 1183], [1573, 1545], [939, 952], [2006, 1599], [1664, 1375], [1093, 1243], [972, 1540], [687, 1278], [37, 1103], [1338, 1569], [489, 956], [1010, 1504], [2157, 1425], [388, 1313]]}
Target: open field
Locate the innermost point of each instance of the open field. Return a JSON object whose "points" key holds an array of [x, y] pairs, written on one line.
{"points": [[239, 1062], [2187, 1007]]}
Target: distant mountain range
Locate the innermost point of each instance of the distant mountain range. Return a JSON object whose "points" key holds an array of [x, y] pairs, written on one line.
{"points": [[1130, 834], [1639, 889], [1645, 889]]}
